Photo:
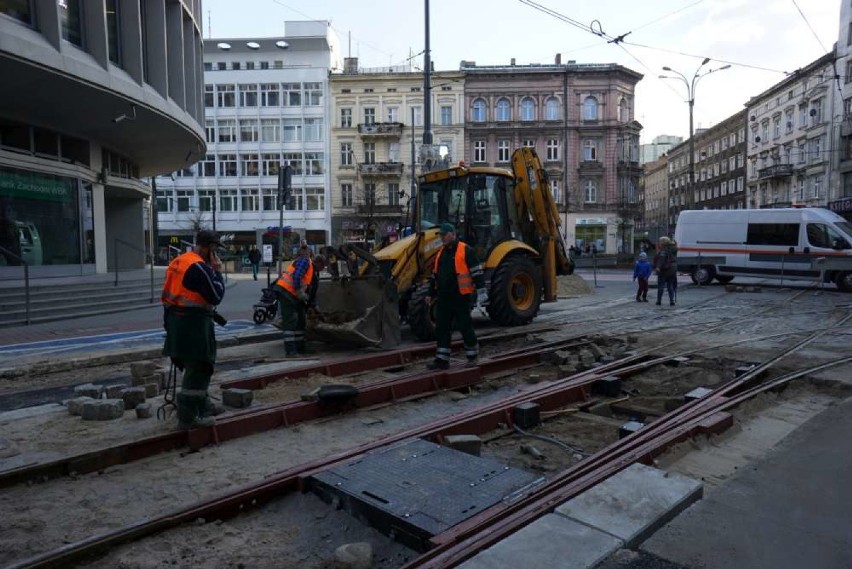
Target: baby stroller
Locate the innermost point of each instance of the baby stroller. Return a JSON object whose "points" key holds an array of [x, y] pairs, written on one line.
{"points": [[267, 307]]}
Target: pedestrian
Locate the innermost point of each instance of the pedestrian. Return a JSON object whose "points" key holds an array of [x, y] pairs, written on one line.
{"points": [[665, 265], [293, 296], [254, 257], [455, 273], [192, 289], [642, 272]]}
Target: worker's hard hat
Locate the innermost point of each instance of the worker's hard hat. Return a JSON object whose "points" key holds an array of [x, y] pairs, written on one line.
{"points": [[447, 228]]}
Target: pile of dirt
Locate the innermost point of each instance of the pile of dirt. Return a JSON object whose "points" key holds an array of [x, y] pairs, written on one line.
{"points": [[571, 286]]}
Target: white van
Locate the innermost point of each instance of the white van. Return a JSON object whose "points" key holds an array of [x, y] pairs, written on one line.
{"points": [[764, 243]]}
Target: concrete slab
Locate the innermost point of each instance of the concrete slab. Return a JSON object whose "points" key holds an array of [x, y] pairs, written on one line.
{"points": [[550, 542], [634, 503]]}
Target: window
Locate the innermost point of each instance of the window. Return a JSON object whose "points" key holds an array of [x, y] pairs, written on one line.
{"points": [[264, 65], [590, 150], [765, 134], [725, 188], [816, 149], [183, 199], [803, 153], [248, 130], [249, 165], [527, 109], [206, 198], [478, 109], [269, 164], [292, 130], [291, 94], [554, 189], [370, 195], [346, 195], [207, 167], [817, 186], [250, 199], [502, 151], [822, 235], [590, 192], [210, 130], [225, 96], [551, 109], [393, 194], [228, 200], [270, 130], [248, 95], [249, 65], [313, 164], [784, 234], [313, 94], [417, 114], [393, 151], [803, 116], [314, 199], [113, 31], [479, 151], [346, 158], [740, 185], [529, 143], [294, 160], [622, 111], [269, 95], [847, 108], [504, 110], [18, 9], [849, 71], [345, 118], [393, 114], [208, 96], [227, 164], [227, 130], [552, 149], [369, 153], [590, 109], [313, 130], [788, 117], [70, 20], [298, 200], [220, 66], [270, 199], [816, 112], [369, 115], [776, 127], [446, 115]]}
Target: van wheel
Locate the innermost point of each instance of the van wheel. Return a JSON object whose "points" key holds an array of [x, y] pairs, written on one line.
{"points": [[844, 281], [724, 280], [703, 275]]}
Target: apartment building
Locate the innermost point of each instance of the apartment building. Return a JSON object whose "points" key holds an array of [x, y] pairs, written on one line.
{"points": [[377, 130], [790, 139], [654, 197], [580, 120], [266, 105], [840, 187], [659, 146]]}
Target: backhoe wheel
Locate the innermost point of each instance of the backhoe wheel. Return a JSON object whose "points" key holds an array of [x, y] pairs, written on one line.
{"points": [[421, 313], [515, 293]]}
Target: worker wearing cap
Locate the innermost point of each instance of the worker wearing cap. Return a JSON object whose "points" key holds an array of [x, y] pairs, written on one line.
{"points": [[458, 284], [294, 289], [192, 288]]}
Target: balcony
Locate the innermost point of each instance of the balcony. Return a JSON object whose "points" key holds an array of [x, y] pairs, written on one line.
{"points": [[381, 169], [590, 166], [776, 171], [381, 129]]}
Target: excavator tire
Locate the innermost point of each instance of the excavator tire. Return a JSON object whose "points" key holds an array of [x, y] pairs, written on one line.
{"points": [[421, 313], [515, 293]]}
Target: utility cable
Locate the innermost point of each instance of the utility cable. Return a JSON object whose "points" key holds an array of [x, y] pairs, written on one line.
{"points": [[802, 14]]}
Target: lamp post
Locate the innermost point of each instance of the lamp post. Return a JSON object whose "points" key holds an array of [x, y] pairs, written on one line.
{"points": [[690, 91]]}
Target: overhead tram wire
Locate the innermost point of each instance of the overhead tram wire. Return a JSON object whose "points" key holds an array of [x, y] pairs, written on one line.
{"points": [[810, 27]]}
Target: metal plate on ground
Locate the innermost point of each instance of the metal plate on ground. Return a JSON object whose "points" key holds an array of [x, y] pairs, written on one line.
{"points": [[417, 489]]}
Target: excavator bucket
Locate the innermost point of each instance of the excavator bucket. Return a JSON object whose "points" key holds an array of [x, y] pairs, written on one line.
{"points": [[362, 311]]}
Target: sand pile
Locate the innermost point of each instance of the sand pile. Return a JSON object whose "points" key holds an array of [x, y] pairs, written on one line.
{"points": [[572, 285]]}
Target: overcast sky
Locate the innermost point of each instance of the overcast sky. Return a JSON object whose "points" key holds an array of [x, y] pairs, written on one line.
{"points": [[768, 34]]}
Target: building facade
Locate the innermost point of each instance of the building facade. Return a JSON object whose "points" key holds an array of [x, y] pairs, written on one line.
{"points": [[790, 139], [579, 118], [93, 100], [267, 105], [654, 196], [659, 146], [376, 136], [840, 188]]}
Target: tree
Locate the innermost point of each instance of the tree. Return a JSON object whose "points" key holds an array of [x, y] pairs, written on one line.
{"points": [[197, 221]]}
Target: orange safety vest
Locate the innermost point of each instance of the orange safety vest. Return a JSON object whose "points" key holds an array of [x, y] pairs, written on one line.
{"points": [[462, 271], [286, 281], [174, 293]]}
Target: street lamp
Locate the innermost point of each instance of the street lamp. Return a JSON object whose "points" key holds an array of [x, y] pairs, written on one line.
{"points": [[690, 91]]}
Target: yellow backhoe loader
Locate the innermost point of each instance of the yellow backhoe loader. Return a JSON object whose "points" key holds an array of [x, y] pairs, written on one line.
{"points": [[508, 217]]}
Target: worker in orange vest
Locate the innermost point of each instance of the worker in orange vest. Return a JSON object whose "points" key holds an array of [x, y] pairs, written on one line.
{"points": [[457, 275], [192, 289], [294, 289]]}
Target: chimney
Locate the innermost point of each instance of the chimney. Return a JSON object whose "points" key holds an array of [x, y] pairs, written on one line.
{"points": [[513, 61], [350, 65], [558, 60]]}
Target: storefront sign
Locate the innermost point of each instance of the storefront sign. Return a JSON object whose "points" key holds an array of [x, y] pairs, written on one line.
{"points": [[34, 187], [591, 221], [267, 253]]}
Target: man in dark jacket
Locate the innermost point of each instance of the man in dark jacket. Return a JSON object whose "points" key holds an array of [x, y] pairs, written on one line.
{"points": [[254, 258], [665, 265], [456, 271], [193, 287]]}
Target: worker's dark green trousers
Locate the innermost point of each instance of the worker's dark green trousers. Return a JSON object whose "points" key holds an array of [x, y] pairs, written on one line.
{"points": [[192, 399], [292, 323], [455, 307]]}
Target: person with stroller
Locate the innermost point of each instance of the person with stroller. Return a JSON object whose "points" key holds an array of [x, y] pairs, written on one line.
{"points": [[294, 289], [642, 272]]}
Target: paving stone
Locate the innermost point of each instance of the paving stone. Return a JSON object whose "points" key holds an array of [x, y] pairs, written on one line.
{"points": [[629, 428], [634, 503], [139, 370], [114, 391], [596, 351], [103, 409], [236, 397], [354, 556], [558, 357], [133, 396], [88, 390], [567, 369], [152, 389], [471, 444], [75, 406], [156, 377], [143, 411], [587, 358], [550, 541], [456, 396], [697, 393]]}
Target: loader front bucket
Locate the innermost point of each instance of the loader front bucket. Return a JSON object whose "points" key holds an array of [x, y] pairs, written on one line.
{"points": [[358, 312]]}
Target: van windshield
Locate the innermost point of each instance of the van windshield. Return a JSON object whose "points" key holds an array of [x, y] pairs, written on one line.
{"points": [[845, 227]]}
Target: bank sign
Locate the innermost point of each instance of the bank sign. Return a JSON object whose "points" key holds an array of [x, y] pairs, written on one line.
{"points": [[34, 187]]}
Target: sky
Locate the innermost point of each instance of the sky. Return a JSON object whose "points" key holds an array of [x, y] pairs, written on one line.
{"points": [[761, 39]]}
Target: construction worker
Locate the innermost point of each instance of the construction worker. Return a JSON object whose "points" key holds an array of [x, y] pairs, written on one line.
{"points": [[293, 288], [455, 274], [192, 288]]}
